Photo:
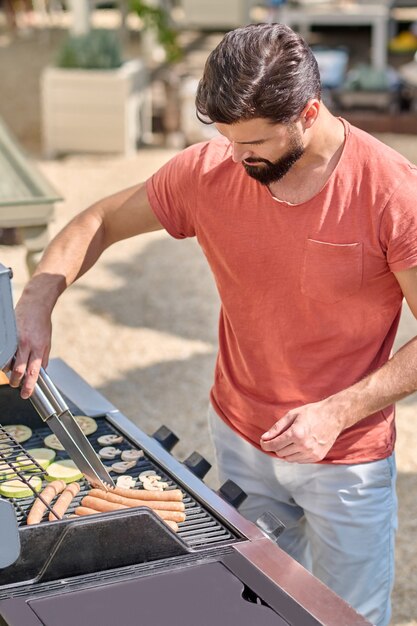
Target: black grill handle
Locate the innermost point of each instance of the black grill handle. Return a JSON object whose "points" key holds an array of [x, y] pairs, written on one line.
{"points": [[197, 464], [232, 493], [166, 438]]}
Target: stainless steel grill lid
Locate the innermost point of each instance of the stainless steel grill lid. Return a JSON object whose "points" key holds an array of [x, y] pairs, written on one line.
{"points": [[8, 332], [10, 544]]}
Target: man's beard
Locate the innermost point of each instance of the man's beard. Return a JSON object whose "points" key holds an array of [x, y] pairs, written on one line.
{"points": [[271, 172]]}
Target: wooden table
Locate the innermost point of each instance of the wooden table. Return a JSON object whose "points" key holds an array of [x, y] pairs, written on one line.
{"points": [[26, 198], [343, 14]]}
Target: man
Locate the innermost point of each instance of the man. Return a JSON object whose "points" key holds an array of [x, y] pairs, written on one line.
{"points": [[309, 227]]}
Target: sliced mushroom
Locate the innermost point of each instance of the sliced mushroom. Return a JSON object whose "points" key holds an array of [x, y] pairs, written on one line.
{"points": [[151, 486], [108, 440], [123, 466], [146, 474], [152, 482], [109, 452], [162, 485], [125, 482], [154, 479], [131, 455]]}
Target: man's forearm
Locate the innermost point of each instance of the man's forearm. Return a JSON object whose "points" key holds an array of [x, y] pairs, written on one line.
{"points": [[395, 380], [69, 255], [78, 246]]}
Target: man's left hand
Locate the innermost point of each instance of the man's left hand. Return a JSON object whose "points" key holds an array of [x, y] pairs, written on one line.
{"points": [[303, 435]]}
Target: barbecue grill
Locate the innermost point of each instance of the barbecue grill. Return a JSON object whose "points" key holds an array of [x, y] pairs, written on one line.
{"points": [[127, 567]]}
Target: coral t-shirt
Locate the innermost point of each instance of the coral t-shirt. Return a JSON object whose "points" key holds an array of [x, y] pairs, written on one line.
{"points": [[309, 303]]}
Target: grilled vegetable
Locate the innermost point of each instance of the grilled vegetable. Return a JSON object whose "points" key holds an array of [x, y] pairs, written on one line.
{"points": [[131, 455], [53, 442], [87, 424], [109, 452], [7, 470], [5, 449], [16, 488], [151, 481], [122, 466], [147, 474], [154, 485], [43, 456], [126, 482], [63, 470], [20, 432], [109, 440]]}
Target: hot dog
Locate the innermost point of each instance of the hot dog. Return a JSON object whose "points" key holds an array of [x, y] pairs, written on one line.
{"points": [[171, 495], [64, 500], [48, 494], [171, 516], [103, 505], [110, 496], [83, 510]]}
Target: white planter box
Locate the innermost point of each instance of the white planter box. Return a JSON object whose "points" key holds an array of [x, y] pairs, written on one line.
{"points": [[216, 13], [95, 110]]}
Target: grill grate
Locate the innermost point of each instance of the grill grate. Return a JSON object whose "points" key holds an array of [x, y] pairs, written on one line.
{"points": [[200, 529], [14, 458]]}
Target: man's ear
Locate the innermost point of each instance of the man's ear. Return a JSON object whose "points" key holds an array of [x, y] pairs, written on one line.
{"points": [[310, 113]]}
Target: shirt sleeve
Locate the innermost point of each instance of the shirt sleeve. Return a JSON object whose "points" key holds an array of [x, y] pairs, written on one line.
{"points": [[172, 193], [399, 224]]}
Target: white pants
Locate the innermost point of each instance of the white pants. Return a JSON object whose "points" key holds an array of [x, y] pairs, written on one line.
{"points": [[340, 520]]}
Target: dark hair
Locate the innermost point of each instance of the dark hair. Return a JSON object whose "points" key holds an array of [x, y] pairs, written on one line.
{"points": [[260, 70]]}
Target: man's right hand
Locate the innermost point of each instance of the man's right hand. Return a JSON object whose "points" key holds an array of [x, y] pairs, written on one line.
{"points": [[34, 330]]}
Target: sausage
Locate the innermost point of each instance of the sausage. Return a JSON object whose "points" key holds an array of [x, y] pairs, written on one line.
{"points": [[173, 516], [48, 494], [64, 500], [103, 505], [171, 495], [110, 496], [172, 525], [83, 510]]}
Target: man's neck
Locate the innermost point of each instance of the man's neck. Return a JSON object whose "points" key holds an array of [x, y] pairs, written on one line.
{"points": [[309, 175]]}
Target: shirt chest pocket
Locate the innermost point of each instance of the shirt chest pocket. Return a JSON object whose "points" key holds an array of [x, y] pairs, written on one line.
{"points": [[331, 271]]}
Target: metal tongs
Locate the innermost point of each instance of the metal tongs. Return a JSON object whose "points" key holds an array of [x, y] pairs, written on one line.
{"points": [[54, 411], [46, 398]]}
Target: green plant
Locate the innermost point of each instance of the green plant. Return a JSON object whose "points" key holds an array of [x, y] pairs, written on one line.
{"points": [[99, 49], [158, 19]]}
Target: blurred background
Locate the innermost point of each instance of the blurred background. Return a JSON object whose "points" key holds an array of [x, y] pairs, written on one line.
{"points": [[96, 97]]}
